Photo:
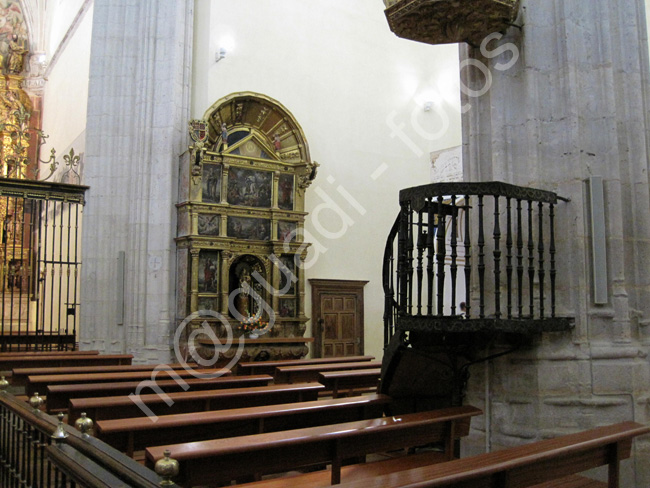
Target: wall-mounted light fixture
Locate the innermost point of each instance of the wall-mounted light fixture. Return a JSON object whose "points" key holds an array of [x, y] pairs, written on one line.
{"points": [[221, 53]]}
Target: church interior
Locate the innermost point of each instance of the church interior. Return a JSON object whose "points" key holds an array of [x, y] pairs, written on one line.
{"points": [[371, 243]]}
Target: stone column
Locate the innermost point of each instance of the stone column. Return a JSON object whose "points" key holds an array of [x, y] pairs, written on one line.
{"points": [[138, 109], [573, 105]]}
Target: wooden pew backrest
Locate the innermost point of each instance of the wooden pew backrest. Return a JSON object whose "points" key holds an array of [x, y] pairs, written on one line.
{"points": [[58, 396], [19, 375], [344, 382], [222, 460], [40, 382], [548, 463], [115, 407], [133, 434], [59, 360], [310, 372], [268, 367]]}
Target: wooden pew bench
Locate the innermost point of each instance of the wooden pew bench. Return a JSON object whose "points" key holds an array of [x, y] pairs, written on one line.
{"points": [[40, 382], [59, 360], [552, 463], [135, 434], [58, 396], [389, 463], [222, 460], [116, 407], [19, 375], [268, 367], [310, 372], [350, 381]]}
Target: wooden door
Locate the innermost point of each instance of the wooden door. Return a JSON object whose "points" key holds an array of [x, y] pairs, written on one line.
{"points": [[337, 314]]}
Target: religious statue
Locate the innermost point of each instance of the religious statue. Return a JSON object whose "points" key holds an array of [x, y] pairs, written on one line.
{"points": [[239, 112], [199, 152], [199, 134], [243, 298], [17, 53], [224, 135], [10, 103], [277, 142]]}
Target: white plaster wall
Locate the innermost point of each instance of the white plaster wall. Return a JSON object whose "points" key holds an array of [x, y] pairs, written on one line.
{"points": [[60, 15], [358, 92], [66, 91]]}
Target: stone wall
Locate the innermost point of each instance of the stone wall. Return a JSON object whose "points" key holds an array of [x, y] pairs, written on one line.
{"points": [[573, 105]]}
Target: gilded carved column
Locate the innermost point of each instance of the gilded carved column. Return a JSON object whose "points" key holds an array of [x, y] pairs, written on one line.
{"points": [[225, 267], [301, 284], [224, 183], [275, 283], [276, 179], [194, 287]]}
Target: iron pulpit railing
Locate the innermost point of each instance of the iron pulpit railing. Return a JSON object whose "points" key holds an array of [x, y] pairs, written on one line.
{"points": [[472, 256], [469, 274]]}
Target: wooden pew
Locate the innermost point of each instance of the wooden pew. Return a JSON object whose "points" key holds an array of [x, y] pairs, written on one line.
{"points": [[19, 375], [222, 460], [268, 367], [107, 408], [310, 372], [135, 434], [551, 463], [322, 478], [349, 381], [37, 383], [58, 396], [59, 360]]}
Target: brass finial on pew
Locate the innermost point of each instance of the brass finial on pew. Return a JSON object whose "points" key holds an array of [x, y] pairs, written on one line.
{"points": [[36, 401], [84, 424], [4, 384], [60, 434], [167, 468]]}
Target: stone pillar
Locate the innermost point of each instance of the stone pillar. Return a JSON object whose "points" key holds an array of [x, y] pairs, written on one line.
{"points": [[138, 109], [573, 105]]}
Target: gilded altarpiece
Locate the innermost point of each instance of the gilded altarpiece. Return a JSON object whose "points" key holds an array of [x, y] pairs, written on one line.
{"points": [[240, 219]]}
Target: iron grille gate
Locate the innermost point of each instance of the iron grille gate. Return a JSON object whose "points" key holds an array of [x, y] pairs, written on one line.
{"points": [[40, 257]]}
